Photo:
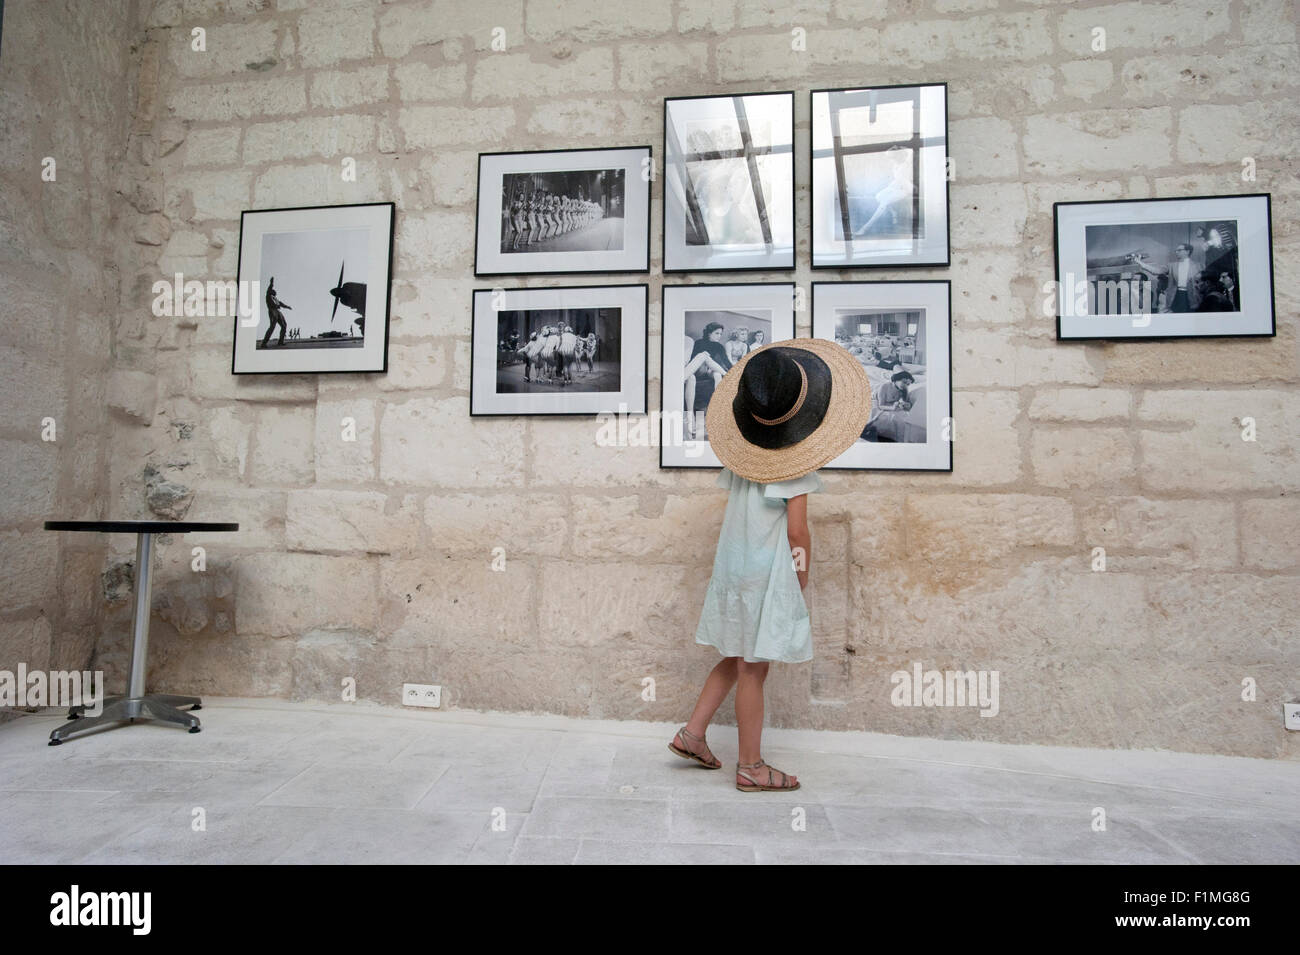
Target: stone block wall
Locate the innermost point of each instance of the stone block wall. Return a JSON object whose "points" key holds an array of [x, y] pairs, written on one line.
{"points": [[371, 560], [65, 117]]}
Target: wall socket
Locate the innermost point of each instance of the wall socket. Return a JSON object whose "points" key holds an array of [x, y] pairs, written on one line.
{"points": [[421, 694], [1291, 716]]}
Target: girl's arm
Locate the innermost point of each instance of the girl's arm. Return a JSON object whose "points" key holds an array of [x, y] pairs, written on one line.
{"points": [[800, 538]]}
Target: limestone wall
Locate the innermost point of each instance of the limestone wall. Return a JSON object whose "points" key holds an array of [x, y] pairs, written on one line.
{"points": [[65, 108], [370, 560]]}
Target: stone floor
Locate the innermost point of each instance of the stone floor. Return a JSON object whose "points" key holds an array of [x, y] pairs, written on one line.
{"points": [[302, 783]]}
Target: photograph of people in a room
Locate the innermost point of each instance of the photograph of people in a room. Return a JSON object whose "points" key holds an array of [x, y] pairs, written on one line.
{"points": [[901, 333], [890, 345], [715, 339], [572, 349], [1178, 267], [580, 210], [307, 303]]}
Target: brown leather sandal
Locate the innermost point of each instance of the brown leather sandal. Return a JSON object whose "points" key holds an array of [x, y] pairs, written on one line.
{"points": [[687, 754], [755, 786]]}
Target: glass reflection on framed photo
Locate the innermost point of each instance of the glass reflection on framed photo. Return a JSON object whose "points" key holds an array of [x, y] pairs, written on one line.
{"points": [[901, 332], [880, 177], [729, 182], [706, 330], [1164, 268]]}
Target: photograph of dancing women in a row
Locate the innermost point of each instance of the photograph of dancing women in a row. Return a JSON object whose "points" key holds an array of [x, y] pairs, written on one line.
{"points": [[716, 340], [572, 211], [572, 349]]}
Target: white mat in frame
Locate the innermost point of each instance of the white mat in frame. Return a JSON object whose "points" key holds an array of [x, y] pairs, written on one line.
{"points": [[857, 125], [882, 305], [633, 253], [305, 245], [729, 170], [629, 300], [1246, 222], [747, 304]]}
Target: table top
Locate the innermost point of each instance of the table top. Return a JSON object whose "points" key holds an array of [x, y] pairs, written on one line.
{"points": [[140, 527]]}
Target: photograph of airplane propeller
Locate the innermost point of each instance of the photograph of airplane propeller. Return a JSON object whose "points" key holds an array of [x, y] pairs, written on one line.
{"points": [[325, 276], [353, 295]]}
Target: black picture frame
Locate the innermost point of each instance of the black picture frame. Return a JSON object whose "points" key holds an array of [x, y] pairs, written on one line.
{"points": [[1203, 213], [749, 154], [815, 188], [707, 458], [866, 450], [477, 340], [637, 169], [373, 359]]}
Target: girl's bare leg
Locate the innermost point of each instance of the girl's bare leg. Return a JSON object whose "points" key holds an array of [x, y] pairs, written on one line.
{"points": [[689, 417], [716, 687], [749, 721], [749, 710], [695, 363], [880, 211]]}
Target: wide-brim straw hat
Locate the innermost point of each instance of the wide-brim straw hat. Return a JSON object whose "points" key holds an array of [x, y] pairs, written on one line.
{"points": [[804, 402]]}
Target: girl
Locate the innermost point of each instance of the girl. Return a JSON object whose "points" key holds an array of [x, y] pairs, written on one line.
{"points": [[705, 368], [530, 353], [566, 354], [550, 345], [781, 413], [530, 219], [517, 219], [890, 198], [738, 344]]}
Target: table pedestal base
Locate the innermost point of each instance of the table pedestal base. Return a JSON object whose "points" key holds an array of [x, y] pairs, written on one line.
{"points": [[136, 704], [119, 709]]}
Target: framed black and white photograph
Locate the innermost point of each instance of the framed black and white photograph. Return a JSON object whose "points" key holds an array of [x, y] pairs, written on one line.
{"points": [[575, 350], [314, 289], [567, 210], [729, 182], [706, 330], [901, 332], [1164, 268], [880, 177]]}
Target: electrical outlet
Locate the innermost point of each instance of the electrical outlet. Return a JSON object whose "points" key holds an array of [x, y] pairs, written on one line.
{"points": [[421, 694], [1291, 716]]}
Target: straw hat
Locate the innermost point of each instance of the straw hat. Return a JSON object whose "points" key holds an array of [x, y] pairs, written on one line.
{"points": [[788, 408]]}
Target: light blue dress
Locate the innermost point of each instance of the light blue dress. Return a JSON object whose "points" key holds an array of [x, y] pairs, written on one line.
{"points": [[754, 607]]}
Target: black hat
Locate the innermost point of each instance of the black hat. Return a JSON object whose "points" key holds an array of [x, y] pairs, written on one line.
{"points": [[788, 408], [782, 397]]}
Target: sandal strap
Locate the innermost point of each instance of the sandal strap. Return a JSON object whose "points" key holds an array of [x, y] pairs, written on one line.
{"points": [[707, 756], [785, 779]]}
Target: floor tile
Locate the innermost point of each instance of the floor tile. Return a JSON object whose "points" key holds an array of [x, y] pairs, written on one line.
{"points": [[351, 786]]}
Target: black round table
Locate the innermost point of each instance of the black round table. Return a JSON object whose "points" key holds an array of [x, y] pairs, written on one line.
{"points": [[137, 704]]}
